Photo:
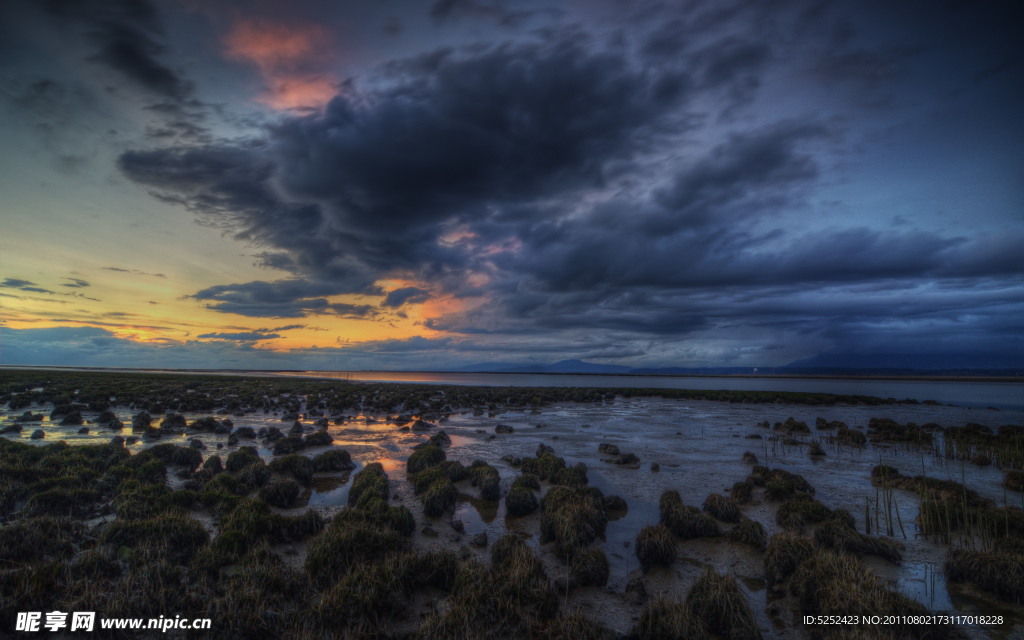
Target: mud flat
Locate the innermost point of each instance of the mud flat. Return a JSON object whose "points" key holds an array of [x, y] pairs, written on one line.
{"points": [[307, 509]]}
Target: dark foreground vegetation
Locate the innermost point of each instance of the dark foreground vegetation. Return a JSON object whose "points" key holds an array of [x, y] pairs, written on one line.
{"points": [[95, 528], [160, 393]]}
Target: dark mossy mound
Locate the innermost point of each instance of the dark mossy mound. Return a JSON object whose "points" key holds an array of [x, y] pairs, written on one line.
{"points": [[424, 458], [346, 544], [572, 518], [295, 465], [886, 430], [665, 619], [801, 510], [792, 426], [655, 546], [509, 599], [280, 493], [451, 469], [832, 584], [545, 465], [779, 483], [369, 483], [520, 501], [42, 538], [1000, 571], [784, 554], [722, 508], [242, 458], [750, 532], [333, 460], [719, 603], [528, 480], [319, 438], [742, 492], [440, 497], [589, 567], [486, 477], [851, 436], [839, 535], [176, 532], [252, 521], [685, 521]]}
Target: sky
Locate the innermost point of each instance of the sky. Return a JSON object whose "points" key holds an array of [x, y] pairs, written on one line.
{"points": [[427, 185]]}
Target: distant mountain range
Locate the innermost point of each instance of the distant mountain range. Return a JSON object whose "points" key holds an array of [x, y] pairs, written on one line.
{"points": [[812, 366]]}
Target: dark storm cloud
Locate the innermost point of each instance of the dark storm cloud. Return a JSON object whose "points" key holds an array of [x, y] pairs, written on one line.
{"points": [[280, 299], [406, 295], [624, 191]]}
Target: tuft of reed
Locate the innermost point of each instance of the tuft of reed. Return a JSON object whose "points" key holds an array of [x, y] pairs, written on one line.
{"points": [[750, 532], [589, 567], [719, 603], [668, 619], [685, 521], [838, 535], [655, 546], [1000, 571], [722, 508], [830, 583], [784, 554], [424, 458], [520, 501]]}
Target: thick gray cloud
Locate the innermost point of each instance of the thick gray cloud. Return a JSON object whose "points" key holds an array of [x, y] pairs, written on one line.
{"points": [[641, 189]]}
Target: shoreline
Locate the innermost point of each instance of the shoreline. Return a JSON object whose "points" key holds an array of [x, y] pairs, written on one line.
{"points": [[304, 373]]}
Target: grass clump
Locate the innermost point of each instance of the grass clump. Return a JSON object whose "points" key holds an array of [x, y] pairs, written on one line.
{"points": [[589, 568], [839, 535], [295, 465], [685, 521], [319, 438], [370, 482], [176, 532], [424, 458], [1000, 570], [520, 501], [280, 493], [783, 485], [440, 497], [333, 460], [252, 522], [829, 583], [784, 554], [718, 601], [528, 480], [750, 532], [241, 459], [452, 470], [801, 510], [486, 477], [346, 544], [722, 508], [742, 492], [572, 518], [35, 539], [666, 619], [507, 599], [655, 546]]}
